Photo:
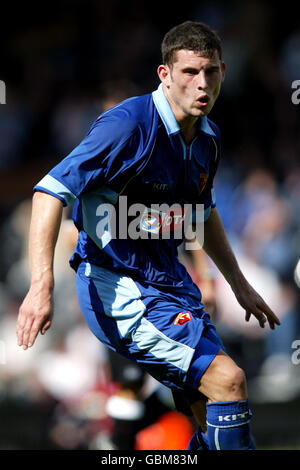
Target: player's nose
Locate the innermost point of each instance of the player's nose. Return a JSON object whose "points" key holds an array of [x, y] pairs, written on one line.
{"points": [[202, 81]]}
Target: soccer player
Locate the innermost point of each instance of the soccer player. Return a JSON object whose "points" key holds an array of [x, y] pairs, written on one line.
{"points": [[134, 294]]}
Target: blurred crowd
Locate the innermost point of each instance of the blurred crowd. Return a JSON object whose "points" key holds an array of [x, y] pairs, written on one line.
{"points": [[62, 68]]}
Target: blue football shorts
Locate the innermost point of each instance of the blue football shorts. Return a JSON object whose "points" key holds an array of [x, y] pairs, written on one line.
{"points": [[166, 331]]}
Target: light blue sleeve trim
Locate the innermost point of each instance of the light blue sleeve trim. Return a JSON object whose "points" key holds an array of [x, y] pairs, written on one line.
{"points": [[54, 187], [44, 190]]}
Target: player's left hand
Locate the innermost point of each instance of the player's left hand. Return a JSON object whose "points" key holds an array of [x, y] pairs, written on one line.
{"points": [[254, 304]]}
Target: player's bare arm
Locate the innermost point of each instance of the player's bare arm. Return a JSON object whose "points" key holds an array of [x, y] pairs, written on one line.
{"points": [[35, 313], [217, 246], [206, 281]]}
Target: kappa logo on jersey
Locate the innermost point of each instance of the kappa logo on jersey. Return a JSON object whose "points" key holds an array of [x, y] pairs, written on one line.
{"points": [[203, 177], [182, 318]]}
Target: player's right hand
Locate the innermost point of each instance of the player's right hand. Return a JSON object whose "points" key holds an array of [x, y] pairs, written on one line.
{"points": [[35, 315]]}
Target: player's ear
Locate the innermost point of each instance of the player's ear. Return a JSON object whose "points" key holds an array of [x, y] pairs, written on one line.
{"points": [[163, 72]]}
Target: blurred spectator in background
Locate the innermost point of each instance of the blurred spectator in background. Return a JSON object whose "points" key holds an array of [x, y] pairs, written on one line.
{"points": [[15, 125]]}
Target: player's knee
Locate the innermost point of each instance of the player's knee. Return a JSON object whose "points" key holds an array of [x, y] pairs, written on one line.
{"points": [[234, 384], [224, 382]]}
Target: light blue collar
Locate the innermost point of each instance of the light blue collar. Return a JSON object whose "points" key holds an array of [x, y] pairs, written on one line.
{"points": [[164, 110]]}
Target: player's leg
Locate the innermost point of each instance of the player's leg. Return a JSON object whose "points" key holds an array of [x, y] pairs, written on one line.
{"points": [[223, 380], [199, 439], [211, 372], [227, 410], [199, 411], [192, 403]]}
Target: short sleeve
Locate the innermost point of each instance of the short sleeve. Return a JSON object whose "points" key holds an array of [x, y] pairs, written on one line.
{"points": [[109, 147]]}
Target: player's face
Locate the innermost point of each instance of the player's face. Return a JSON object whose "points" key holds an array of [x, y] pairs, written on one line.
{"points": [[193, 83]]}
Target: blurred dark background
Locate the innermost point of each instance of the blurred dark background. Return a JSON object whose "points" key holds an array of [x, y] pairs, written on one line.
{"points": [[62, 64]]}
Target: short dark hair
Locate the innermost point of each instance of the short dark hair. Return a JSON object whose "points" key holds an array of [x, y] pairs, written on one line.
{"points": [[190, 35]]}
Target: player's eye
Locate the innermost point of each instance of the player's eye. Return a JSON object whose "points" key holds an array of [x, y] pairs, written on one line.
{"points": [[190, 71], [212, 70]]}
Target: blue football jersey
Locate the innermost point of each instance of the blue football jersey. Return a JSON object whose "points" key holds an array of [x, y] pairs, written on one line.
{"points": [[135, 153]]}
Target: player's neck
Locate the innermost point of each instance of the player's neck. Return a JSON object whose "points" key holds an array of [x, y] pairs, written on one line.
{"points": [[189, 130], [188, 124]]}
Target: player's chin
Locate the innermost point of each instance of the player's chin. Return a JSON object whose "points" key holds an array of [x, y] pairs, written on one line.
{"points": [[202, 111]]}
